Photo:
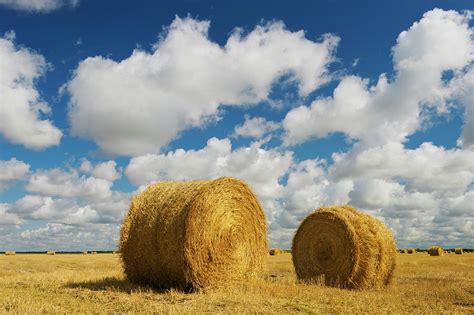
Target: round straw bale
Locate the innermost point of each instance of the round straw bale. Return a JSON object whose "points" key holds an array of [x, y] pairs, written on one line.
{"points": [[411, 251], [344, 248], [193, 235], [458, 251], [84, 253], [435, 251], [51, 253], [275, 251]]}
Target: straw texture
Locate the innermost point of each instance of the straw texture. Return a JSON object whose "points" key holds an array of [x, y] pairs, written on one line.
{"points": [[193, 235], [344, 248]]}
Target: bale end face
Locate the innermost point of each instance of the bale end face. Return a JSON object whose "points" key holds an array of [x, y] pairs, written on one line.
{"points": [[344, 248]]}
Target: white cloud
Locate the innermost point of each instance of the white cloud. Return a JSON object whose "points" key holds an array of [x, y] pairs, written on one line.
{"points": [[12, 170], [426, 169], [391, 110], [21, 107], [141, 103], [462, 88], [57, 182], [105, 170], [58, 236], [38, 5], [256, 127], [261, 168], [8, 218], [61, 196]]}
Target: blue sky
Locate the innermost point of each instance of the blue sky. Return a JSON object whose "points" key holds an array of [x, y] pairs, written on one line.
{"points": [[363, 102]]}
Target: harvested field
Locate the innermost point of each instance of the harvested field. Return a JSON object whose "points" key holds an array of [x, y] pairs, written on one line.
{"points": [[95, 284]]}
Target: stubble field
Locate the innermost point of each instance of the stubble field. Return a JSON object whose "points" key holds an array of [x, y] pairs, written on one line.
{"points": [[31, 283]]}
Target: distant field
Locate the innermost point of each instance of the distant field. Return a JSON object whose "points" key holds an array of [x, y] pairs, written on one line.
{"points": [[35, 283]]}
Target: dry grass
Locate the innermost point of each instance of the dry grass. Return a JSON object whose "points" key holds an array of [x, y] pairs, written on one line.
{"points": [[344, 248], [95, 284], [195, 234]]}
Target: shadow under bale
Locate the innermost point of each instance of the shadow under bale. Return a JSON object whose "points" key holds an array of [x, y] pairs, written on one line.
{"points": [[114, 284]]}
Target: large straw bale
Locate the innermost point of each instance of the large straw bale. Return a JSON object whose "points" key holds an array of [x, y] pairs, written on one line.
{"points": [[435, 251], [195, 234], [50, 253], [458, 251], [344, 248]]}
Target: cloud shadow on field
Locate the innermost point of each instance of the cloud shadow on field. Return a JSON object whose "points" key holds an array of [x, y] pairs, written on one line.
{"points": [[116, 284]]}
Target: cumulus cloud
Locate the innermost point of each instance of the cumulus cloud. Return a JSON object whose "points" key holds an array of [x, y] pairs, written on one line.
{"points": [[12, 170], [21, 107], [390, 110], [38, 5], [141, 103], [428, 168], [8, 218], [261, 168], [57, 182], [256, 127], [64, 237], [105, 170], [461, 88], [66, 197]]}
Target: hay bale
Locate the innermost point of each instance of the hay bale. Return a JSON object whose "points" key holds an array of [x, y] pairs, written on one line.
{"points": [[193, 235], [51, 253], [275, 251], [84, 253], [435, 251], [458, 251], [94, 253], [10, 253], [344, 248], [402, 251], [411, 251]]}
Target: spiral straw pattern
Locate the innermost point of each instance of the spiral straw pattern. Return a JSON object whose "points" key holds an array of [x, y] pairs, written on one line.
{"points": [[193, 235], [344, 248]]}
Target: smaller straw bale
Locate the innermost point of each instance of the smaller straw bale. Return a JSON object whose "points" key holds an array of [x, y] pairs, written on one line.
{"points": [[84, 253], [435, 251], [458, 251], [411, 251], [50, 253], [275, 251]]}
